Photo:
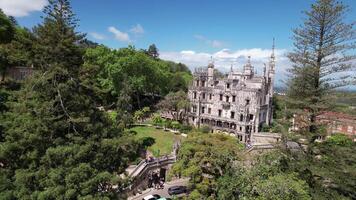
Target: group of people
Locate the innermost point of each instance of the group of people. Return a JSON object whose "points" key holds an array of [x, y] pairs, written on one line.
{"points": [[155, 181]]}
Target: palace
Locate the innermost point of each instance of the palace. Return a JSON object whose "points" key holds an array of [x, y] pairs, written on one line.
{"points": [[238, 104]]}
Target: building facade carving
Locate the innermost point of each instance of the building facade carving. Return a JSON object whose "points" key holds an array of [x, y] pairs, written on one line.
{"points": [[239, 103]]}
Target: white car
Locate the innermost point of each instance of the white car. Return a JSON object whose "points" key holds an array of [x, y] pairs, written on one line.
{"points": [[151, 197]]}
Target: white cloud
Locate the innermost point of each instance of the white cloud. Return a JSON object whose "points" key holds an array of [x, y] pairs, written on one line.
{"points": [[21, 8], [225, 57], [121, 36], [97, 36], [213, 43], [137, 29]]}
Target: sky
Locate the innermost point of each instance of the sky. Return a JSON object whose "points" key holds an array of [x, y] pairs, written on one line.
{"points": [[188, 31]]}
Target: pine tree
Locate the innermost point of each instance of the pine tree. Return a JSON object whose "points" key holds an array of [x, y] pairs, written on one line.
{"points": [[7, 29], [322, 59], [57, 41], [57, 144]]}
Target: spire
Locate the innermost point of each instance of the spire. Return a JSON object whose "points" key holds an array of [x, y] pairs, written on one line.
{"points": [[272, 62], [231, 68], [211, 63], [249, 60], [273, 46]]}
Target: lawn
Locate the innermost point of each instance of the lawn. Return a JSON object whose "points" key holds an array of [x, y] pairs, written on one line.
{"points": [[164, 140]]}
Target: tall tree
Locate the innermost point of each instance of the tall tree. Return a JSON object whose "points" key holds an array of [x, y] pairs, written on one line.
{"points": [[57, 41], [322, 58], [57, 144], [7, 29], [153, 51]]}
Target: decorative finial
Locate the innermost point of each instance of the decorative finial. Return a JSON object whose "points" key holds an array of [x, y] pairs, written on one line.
{"points": [[231, 68], [211, 60], [249, 59], [273, 46]]}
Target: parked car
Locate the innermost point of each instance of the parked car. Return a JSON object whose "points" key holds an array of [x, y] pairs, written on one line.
{"points": [[151, 197], [177, 190]]}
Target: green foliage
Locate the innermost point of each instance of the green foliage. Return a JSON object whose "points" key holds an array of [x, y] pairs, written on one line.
{"points": [[56, 39], [7, 28], [204, 159], [268, 178], [205, 129], [175, 103], [282, 186], [56, 143], [323, 52], [139, 115], [339, 139], [144, 76], [157, 119], [185, 128]]}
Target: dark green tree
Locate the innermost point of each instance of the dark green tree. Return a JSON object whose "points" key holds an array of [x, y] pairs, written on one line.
{"points": [[7, 29], [57, 41], [57, 144], [322, 58]]}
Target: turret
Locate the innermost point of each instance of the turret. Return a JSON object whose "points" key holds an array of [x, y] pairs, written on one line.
{"points": [[248, 68], [270, 81], [211, 70]]}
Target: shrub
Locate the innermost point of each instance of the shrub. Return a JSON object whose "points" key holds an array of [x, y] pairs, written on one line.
{"points": [[205, 129]]}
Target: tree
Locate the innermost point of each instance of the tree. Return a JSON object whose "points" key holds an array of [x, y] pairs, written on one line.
{"points": [[153, 51], [57, 42], [176, 104], [149, 79], [205, 159], [7, 29], [57, 144], [322, 60]]}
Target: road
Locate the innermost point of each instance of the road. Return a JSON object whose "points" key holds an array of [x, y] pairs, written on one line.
{"points": [[161, 192]]}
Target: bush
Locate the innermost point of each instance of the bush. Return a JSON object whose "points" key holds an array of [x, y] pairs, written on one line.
{"points": [[175, 125], [339, 139], [205, 129], [185, 128]]}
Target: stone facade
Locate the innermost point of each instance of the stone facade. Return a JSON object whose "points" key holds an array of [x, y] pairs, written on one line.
{"points": [[238, 104]]}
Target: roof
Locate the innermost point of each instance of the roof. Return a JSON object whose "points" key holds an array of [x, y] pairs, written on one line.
{"points": [[337, 115]]}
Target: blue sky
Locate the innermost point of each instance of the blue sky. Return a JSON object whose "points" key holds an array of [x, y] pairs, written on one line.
{"points": [[188, 31]]}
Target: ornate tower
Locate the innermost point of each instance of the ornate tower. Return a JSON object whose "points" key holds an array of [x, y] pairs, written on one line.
{"points": [[211, 70], [248, 68], [270, 82]]}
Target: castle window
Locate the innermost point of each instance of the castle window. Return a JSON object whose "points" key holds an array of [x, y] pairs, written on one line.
{"points": [[195, 95], [240, 128], [221, 97], [232, 115], [202, 109], [247, 101], [251, 117], [197, 83], [228, 85], [227, 98], [202, 83], [220, 111], [203, 95], [209, 110], [210, 96], [233, 98], [241, 117], [194, 109]]}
